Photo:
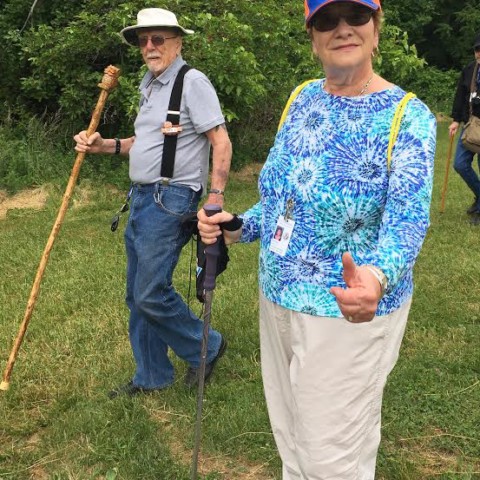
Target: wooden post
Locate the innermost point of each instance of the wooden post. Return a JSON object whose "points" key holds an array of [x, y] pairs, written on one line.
{"points": [[445, 180], [108, 83]]}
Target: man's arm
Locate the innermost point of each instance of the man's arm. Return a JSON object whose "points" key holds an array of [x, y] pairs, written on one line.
{"points": [[96, 144], [221, 159]]}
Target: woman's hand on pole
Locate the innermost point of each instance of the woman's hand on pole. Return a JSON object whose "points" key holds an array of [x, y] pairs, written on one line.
{"points": [[93, 144], [210, 230], [359, 301]]}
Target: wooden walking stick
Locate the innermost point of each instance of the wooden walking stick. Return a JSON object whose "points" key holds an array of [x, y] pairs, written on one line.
{"points": [[108, 83], [445, 180]]}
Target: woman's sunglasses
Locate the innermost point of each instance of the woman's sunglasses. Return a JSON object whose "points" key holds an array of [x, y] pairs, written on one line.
{"points": [[157, 40], [328, 19]]}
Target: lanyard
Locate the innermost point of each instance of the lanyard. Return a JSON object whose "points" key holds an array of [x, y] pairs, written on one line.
{"points": [[124, 208]]}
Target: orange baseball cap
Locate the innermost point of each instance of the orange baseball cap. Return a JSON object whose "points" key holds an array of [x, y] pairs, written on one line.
{"points": [[313, 6]]}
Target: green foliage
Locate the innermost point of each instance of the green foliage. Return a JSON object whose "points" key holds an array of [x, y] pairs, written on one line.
{"points": [[435, 87], [254, 54], [65, 55], [33, 153], [399, 63], [30, 159], [411, 16], [224, 48], [398, 60], [443, 30]]}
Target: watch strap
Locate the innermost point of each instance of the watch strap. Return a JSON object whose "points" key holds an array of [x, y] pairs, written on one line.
{"points": [[380, 276]]}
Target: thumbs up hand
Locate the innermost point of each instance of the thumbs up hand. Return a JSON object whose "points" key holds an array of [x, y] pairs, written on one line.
{"points": [[359, 301]]}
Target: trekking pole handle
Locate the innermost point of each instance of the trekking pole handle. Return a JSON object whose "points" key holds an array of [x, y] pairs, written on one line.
{"points": [[212, 252]]}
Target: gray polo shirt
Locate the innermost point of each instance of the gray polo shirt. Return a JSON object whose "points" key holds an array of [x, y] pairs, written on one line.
{"points": [[200, 111]]}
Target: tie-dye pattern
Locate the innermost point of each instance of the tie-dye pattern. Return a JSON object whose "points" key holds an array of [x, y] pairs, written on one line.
{"points": [[329, 157]]}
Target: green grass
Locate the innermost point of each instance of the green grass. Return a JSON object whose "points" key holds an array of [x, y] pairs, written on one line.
{"points": [[57, 423]]}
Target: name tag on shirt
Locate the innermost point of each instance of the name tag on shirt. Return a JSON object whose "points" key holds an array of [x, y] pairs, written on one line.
{"points": [[281, 236]]}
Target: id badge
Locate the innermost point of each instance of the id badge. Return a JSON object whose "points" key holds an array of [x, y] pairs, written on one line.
{"points": [[281, 236]]}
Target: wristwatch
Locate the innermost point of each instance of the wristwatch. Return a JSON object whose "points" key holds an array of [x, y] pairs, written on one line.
{"points": [[216, 191], [380, 276]]}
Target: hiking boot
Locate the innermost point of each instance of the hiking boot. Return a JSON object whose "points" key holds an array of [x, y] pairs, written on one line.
{"points": [[191, 377], [474, 207], [475, 218], [130, 390]]}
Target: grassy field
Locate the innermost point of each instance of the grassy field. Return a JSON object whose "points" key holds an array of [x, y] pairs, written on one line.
{"points": [[56, 420]]}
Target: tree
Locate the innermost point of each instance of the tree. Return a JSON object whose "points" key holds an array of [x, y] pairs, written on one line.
{"points": [[255, 53], [442, 30]]}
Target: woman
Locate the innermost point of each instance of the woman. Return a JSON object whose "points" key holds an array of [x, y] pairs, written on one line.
{"points": [[335, 294]]}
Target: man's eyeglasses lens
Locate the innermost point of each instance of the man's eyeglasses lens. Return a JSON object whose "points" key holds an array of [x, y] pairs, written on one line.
{"points": [[326, 20], [157, 40]]}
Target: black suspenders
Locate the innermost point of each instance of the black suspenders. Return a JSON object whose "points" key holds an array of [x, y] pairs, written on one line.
{"points": [[173, 116]]}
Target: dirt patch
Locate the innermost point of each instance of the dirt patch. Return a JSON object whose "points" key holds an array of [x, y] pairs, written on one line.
{"points": [[229, 468], [82, 196], [432, 461], [33, 199]]}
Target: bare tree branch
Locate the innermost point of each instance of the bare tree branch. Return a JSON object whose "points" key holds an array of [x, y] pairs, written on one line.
{"points": [[29, 15]]}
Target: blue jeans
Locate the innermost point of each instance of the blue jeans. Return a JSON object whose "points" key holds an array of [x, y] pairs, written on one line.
{"points": [[463, 166], [159, 318]]}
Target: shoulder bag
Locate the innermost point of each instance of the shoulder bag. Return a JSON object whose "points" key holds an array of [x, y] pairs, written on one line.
{"points": [[471, 130]]}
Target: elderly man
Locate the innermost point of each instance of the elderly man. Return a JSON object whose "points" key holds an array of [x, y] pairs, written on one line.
{"points": [[167, 183]]}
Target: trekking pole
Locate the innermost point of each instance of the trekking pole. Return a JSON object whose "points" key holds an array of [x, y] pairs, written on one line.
{"points": [[212, 252], [445, 180], [108, 83]]}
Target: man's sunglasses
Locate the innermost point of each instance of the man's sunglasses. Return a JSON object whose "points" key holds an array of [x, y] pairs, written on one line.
{"points": [[157, 40], [327, 20]]}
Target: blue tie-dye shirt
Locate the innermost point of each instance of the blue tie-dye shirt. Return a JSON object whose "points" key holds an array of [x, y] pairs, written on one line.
{"points": [[330, 158]]}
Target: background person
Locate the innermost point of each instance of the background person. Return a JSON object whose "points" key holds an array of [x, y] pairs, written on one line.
{"points": [[463, 163], [155, 235], [334, 305]]}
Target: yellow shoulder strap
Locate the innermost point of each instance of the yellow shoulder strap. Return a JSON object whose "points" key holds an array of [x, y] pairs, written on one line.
{"points": [[395, 129], [292, 97]]}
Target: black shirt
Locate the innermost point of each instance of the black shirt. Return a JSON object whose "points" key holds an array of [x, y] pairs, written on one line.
{"points": [[460, 109]]}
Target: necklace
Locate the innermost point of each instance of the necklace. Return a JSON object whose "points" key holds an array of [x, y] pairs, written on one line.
{"points": [[365, 87], [362, 91]]}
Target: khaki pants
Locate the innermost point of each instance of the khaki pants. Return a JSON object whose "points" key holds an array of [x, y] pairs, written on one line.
{"points": [[324, 379]]}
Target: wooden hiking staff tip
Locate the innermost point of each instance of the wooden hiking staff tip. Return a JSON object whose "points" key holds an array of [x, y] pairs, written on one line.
{"points": [[445, 180], [108, 83]]}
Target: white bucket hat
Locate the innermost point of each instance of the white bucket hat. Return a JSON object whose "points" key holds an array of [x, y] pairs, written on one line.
{"points": [[152, 18]]}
